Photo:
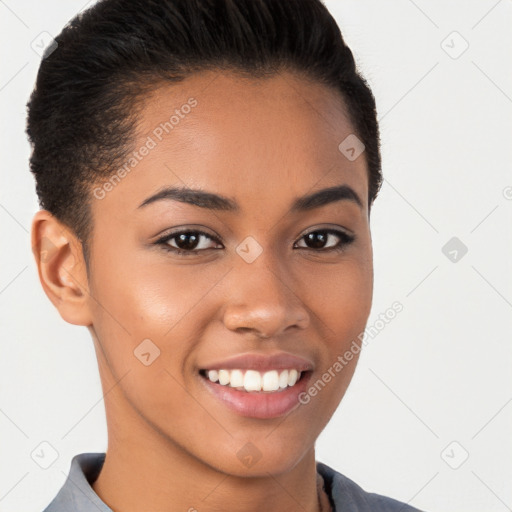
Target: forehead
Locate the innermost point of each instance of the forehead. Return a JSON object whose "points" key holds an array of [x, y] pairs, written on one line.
{"points": [[271, 138]]}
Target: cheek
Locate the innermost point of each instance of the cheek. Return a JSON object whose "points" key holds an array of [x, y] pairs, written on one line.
{"points": [[341, 298], [149, 316], [146, 296], [147, 322], [341, 294]]}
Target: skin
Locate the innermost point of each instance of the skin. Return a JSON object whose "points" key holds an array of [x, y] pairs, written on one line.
{"points": [[263, 143]]}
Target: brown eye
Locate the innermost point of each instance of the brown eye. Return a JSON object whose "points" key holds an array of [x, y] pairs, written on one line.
{"points": [[321, 239], [187, 242]]}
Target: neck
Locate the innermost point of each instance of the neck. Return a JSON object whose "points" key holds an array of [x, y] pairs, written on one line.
{"points": [[146, 470], [146, 476]]}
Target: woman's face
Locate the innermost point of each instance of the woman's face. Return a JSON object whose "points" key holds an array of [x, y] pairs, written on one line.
{"points": [[265, 278]]}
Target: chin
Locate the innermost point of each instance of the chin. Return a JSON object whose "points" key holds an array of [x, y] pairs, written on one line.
{"points": [[257, 459]]}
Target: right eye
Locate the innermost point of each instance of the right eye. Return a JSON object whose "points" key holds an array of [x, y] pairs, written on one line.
{"points": [[188, 242]]}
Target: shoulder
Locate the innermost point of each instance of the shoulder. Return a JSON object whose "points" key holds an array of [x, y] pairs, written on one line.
{"points": [[77, 493], [347, 496]]}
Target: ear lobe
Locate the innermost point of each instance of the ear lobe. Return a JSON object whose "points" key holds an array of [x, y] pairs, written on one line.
{"points": [[61, 268]]}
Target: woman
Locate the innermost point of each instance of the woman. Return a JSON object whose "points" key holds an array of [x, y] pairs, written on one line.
{"points": [[206, 171]]}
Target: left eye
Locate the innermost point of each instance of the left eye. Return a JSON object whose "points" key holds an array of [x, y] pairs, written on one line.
{"points": [[319, 237]]}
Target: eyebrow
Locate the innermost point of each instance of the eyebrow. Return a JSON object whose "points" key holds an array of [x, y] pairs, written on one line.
{"points": [[211, 201]]}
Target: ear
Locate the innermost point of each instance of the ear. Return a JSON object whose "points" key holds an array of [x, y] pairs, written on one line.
{"points": [[61, 267]]}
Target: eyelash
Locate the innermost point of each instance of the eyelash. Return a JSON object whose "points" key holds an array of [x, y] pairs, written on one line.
{"points": [[345, 238]]}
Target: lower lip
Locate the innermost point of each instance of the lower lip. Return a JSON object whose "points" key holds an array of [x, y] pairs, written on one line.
{"points": [[262, 405]]}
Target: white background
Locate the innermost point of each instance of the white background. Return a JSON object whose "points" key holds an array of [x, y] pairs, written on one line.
{"points": [[439, 372]]}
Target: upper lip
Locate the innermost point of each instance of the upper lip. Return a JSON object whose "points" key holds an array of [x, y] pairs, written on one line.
{"points": [[262, 362]]}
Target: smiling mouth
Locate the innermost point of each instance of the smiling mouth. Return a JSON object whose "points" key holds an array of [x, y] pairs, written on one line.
{"points": [[253, 381]]}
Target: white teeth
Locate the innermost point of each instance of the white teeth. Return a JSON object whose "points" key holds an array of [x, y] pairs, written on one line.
{"points": [[213, 375], [224, 377], [292, 377], [237, 379], [270, 381], [252, 380], [283, 379]]}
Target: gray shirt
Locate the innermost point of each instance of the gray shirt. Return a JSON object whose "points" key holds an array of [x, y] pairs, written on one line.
{"points": [[77, 495]]}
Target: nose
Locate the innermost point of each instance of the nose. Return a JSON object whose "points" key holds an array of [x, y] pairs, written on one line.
{"points": [[262, 300]]}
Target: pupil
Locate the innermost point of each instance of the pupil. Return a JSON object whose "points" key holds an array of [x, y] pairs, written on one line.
{"points": [[317, 239], [185, 237]]}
